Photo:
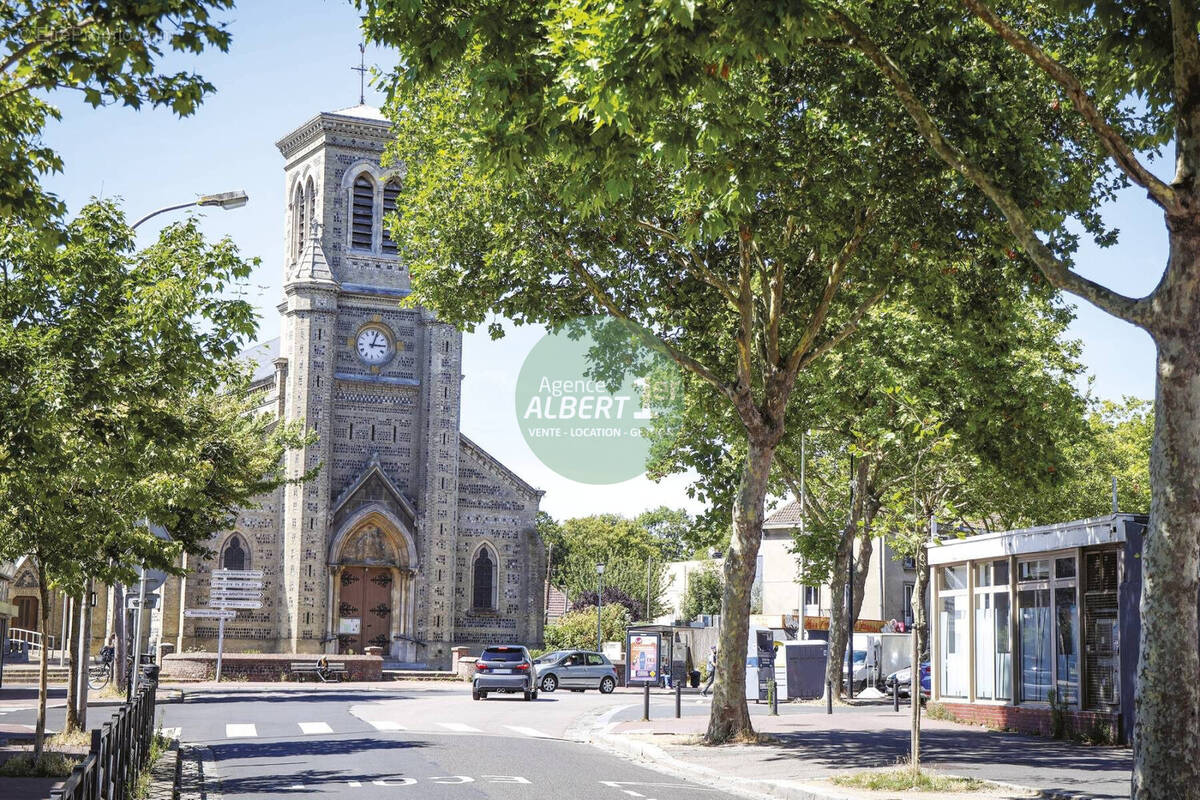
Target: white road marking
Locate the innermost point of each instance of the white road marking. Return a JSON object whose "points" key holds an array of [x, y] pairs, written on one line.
{"points": [[632, 793], [237, 731], [386, 725], [314, 727], [299, 786], [535, 733], [398, 782], [459, 727]]}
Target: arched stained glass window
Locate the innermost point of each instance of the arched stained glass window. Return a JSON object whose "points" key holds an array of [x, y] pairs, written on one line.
{"points": [[484, 581], [234, 555]]}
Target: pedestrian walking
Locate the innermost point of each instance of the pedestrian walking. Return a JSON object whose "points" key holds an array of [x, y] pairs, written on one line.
{"points": [[712, 671]]}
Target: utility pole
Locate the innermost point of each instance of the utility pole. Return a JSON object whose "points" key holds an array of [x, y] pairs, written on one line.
{"points": [[648, 560]]}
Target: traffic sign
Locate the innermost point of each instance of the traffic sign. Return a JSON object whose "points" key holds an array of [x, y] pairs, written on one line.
{"points": [[238, 603], [210, 613], [132, 601], [239, 574], [237, 584], [240, 594]]}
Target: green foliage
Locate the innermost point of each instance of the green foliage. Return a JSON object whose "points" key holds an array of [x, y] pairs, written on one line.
{"points": [[111, 53], [131, 408], [703, 593], [626, 547], [576, 630]]}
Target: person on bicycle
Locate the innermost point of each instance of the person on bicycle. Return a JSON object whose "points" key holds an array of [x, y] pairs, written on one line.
{"points": [[109, 652]]}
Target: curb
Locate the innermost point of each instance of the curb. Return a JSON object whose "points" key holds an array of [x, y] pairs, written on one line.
{"points": [[654, 757], [197, 767]]}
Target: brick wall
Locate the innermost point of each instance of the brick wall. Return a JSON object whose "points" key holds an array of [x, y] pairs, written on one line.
{"points": [[259, 666], [1027, 719]]}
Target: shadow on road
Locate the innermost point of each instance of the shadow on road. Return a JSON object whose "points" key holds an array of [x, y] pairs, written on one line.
{"points": [[283, 748], [293, 696]]}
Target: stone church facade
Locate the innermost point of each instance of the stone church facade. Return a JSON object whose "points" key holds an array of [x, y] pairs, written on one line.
{"points": [[410, 538]]}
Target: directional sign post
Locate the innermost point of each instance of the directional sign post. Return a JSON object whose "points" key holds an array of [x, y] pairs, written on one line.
{"points": [[229, 590], [210, 613]]}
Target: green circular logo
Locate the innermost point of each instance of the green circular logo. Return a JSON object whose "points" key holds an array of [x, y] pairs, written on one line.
{"points": [[586, 395]]}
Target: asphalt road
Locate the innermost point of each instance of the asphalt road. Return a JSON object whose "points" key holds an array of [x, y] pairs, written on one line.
{"points": [[422, 742]]}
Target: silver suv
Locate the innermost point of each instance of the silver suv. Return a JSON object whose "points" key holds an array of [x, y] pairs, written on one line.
{"points": [[576, 670], [504, 668]]}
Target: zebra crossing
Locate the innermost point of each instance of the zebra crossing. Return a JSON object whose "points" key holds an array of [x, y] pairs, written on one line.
{"points": [[250, 730]]}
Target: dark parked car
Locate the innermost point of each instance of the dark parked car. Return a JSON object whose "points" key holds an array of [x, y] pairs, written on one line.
{"points": [[506, 668], [576, 670], [903, 679]]}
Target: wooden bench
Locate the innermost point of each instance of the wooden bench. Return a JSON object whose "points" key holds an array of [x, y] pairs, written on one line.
{"points": [[332, 671]]}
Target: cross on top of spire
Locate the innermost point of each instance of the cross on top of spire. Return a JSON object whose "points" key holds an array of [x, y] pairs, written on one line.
{"points": [[361, 69]]}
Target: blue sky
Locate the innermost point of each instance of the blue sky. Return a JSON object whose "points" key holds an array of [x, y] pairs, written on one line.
{"points": [[291, 60]]}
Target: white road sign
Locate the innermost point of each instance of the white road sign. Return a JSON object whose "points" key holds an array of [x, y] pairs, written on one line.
{"points": [[239, 574], [217, 597], [210, 613], [237, 584], [231, 592], [238, 603]]}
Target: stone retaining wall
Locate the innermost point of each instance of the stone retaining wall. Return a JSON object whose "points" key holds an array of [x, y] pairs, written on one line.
{"points": [[260, 666]]}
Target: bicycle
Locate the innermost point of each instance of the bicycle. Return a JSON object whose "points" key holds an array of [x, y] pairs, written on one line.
{"points": [[100, 673]]}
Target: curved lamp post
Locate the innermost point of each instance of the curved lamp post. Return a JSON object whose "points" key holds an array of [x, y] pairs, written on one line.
{"points": [[225, 200]]}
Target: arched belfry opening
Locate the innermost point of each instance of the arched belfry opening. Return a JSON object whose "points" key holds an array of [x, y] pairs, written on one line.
{"points": [[371, 570]]}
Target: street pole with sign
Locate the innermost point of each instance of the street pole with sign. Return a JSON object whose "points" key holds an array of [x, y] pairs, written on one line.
{"points": [[229, 590], [599, 607]]}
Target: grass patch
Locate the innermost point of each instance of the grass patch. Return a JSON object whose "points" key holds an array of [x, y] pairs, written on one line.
{"points": [[939, 711], [158, 746], [51, 765], [75, 738], [903, 779]]}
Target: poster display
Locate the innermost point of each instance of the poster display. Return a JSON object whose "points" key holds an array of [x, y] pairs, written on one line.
{"points": [[642, 657]]}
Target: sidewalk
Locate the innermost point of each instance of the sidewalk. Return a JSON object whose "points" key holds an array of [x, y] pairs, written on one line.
{"points": [[809, 747]]}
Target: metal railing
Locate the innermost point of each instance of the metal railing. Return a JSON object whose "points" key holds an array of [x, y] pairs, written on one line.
{"points": [[31, 638], [120, 750]]}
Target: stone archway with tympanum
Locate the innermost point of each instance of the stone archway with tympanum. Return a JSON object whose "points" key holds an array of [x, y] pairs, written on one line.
{"points": [[371, 571]]}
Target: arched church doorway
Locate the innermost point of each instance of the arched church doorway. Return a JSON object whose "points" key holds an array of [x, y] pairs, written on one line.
{"points": [[365, 608], [371, 580]]}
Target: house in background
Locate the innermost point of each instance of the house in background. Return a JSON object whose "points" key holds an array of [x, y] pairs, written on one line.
{"points": [[1020, 614], [787, 591]]}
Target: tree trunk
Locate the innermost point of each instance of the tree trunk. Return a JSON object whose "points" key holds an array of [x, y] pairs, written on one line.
{"points": [[730, 716], [1166, 748], [71, 608], [85, 650], [119, 623], [918, 648], [838, 635], [39, 734]]}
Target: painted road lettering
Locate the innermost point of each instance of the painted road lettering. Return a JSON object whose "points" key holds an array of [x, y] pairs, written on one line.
{"points": [[444, 780]]}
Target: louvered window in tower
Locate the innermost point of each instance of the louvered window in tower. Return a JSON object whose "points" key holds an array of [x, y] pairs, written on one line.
{"points": [[310, 207], [299, 218], [390, 190], [362, 213]]}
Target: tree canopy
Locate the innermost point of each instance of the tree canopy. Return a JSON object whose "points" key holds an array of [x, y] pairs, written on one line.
{"points": [[110, 52]]}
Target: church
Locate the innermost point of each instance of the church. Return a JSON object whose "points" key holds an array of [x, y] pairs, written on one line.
{"points": [[411, 538]]}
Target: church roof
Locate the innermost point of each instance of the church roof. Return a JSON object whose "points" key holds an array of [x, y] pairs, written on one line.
{"points": [[312, 266], [494, 462], [262, 356], [361, 111]]}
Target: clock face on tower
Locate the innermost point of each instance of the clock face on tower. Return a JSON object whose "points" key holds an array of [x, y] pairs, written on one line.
{"points": [[374, 345]]}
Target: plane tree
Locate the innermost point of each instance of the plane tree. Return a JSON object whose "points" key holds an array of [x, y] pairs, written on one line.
{"points": [[745, 226], [126, 406]]}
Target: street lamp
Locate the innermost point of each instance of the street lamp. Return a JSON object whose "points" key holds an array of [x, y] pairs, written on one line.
{"points": [[225, 200], [599, 606]]}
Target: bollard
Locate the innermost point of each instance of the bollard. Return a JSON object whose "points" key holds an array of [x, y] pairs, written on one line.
{"points": [[645, 702], [896, 696], [828, 697], [773, 697], [678, 700]]}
